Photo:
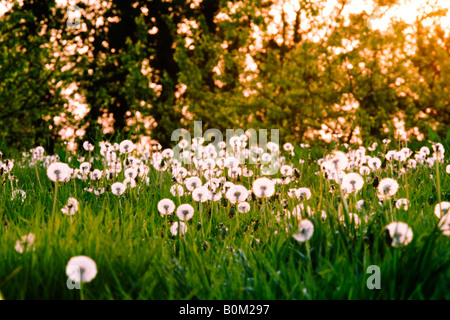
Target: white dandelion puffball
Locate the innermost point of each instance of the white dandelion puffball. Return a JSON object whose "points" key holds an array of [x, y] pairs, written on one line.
{"points": [[363, 170], [263, 187], [58, 171], [286, 170], [402, 203], [81, 269], [166, 206], [288, 147], [387, 187], [303, 193], [85, 167], [305, 231], [441, 208], [193, 183], [71, 208], [183, 143], [444, 224], [177, 190], [178, 226], [185, 212], [400, 233], [447, 169], [237, 194], [88, 146], [374, 163], [352, 182], [201, 194], [126, 146], [118, 188], [131, 173], [96, 174], [243, 207], [339, 161], [25, 243]]}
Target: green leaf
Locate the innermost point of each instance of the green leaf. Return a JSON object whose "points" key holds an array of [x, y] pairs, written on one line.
{"points": [[432, 135]]}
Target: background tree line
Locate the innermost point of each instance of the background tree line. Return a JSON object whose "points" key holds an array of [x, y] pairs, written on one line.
{"points": [[155, 66]]}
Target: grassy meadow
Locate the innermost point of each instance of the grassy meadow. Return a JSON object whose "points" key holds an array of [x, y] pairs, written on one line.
{"points": [[225, 252]]}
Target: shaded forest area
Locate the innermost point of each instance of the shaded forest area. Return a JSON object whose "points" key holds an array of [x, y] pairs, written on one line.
{"points": [[151, 67]]}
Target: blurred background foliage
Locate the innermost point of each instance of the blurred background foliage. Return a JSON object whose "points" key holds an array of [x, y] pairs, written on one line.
{"points": [[149, 67]]}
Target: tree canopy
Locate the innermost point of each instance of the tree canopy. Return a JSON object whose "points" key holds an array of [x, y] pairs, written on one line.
{"points": [[150, 67]]}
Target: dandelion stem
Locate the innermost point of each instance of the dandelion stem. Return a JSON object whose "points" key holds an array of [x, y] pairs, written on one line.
{"points": [[342, 193], [37, 175], [438, 181], [392, 211], [201, 219], [310, 268], [54, 199]]}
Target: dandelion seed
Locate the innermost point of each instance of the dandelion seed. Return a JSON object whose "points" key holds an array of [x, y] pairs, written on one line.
{"points": [[288, 147], [131, 173], [272, 146], [444, 224], [193, 183], [96, 174], [352, 182], [71, 208], [166, 206], [85, 167], [286, 170], [58, 171], [339, 161], [305, 231], [177, 190], [390, 155], [88, 146], [402, 203], [373, 146], [243, 207], [81, 269], [183, 144], [400, 233], [129, 182], [178, 226], [126, 146], [201, 194], [185, 212], [237, 194], [167, 153], [263, 187], [118, 188], [303, 194], [387, 187], [364, 170], [374, 163], [441, 208]]}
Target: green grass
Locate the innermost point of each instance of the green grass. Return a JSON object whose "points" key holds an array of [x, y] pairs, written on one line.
{"points": [[257, 258]]}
